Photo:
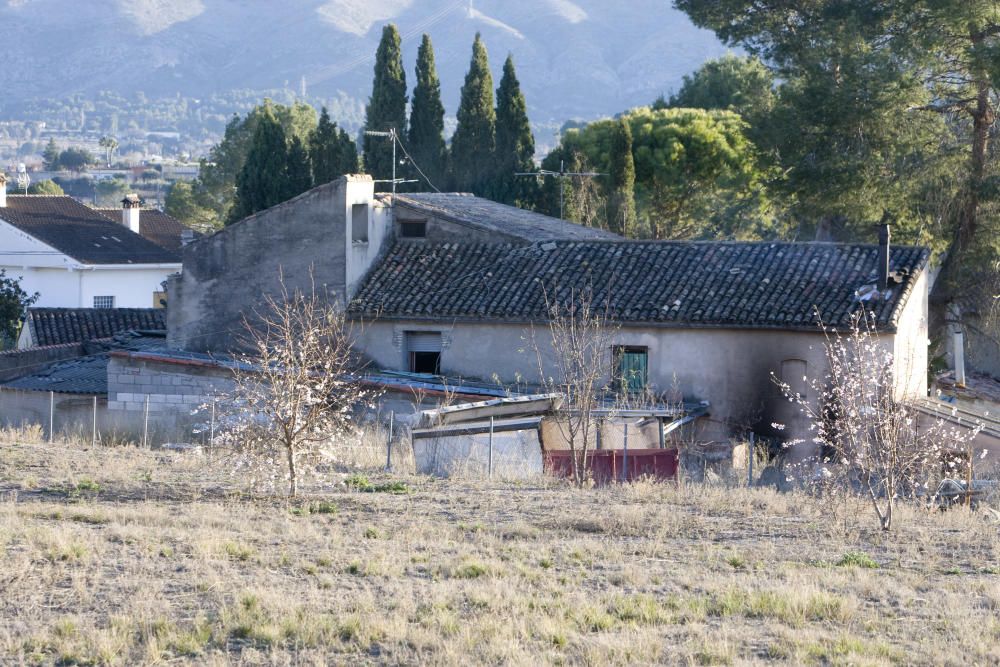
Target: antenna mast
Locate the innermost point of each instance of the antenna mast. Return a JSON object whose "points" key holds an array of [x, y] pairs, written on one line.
{"points": [[391, 133], [562, 175]]}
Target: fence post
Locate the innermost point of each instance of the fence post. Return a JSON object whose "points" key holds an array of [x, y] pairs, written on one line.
{"points": [[145, 424], [491, 449], [751, 450], [388, 445], [52, 413], [211, 428], [93, 439], [625, 456]]}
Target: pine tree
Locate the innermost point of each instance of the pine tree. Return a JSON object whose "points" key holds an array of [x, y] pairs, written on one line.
{"points": [[263, 180], [472, 145], [298, 169], [621, 203], [331, 151], [515, 145], [387, 106], [427, 118]]}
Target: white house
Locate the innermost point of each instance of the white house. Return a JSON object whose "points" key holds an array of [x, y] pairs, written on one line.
{"points": [[75, 257]]}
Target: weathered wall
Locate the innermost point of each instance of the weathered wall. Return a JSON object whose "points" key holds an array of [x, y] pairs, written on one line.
{"points": [[730, 368], [303, 241]]}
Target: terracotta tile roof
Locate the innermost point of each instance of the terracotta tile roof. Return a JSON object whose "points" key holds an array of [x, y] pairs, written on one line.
{"points": [[81, 232], [510, 221], [154, 225], [54, 326], [700, 284]]}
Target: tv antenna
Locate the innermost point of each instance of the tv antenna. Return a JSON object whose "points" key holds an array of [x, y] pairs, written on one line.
{"points": [[391, 133], [562, 175]]}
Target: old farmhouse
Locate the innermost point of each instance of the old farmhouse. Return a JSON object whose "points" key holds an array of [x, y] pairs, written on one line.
{"points": [[457, 285]]}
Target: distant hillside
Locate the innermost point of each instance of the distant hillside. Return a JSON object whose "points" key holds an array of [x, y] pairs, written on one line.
{"points": [[577, 59]]}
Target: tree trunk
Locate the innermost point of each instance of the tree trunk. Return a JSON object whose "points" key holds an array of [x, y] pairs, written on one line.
{"points": [[293, 482], [983, 118]]}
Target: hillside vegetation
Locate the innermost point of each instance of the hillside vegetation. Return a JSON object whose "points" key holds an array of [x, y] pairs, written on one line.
{"points": [[122, 556]]}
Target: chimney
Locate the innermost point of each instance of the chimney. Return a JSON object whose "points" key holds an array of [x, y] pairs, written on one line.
{"points": [[3, 190], [957, 343], [883, 257], [131, 206], [187, 235]]}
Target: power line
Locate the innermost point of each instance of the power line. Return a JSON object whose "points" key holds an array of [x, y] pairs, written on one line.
{"points": [[416, 166]]}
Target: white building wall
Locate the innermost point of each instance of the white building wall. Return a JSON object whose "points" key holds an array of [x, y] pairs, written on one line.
{"points": [[61, 282]]}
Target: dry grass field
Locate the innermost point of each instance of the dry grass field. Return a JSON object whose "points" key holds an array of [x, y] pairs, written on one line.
{"points": [[126, 556]]}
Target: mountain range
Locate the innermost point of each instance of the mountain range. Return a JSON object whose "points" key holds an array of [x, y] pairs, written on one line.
{"points": [[575, 58]]}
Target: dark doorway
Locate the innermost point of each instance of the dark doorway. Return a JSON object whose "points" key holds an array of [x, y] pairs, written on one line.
{"points": [[425, 362]]}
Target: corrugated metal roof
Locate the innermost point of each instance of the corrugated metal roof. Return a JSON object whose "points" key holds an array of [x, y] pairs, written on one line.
{"points": [[82, 375]]}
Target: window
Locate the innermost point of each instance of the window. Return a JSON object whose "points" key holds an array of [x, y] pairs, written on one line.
{"points": [[104, 302], [359, 223], [424, 351], [631, 367], [413, 229]]}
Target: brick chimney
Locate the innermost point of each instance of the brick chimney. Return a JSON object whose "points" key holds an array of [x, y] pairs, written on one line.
{"points": [[131, 206], [883, 257], [3, 190]]}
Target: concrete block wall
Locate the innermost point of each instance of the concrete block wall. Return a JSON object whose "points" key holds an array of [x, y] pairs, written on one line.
{"points": [[174, 392]]}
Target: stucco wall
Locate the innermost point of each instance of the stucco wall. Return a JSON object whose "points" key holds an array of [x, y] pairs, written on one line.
{"points": [[62, 282], [226, 275], [730, 368], [911, 343]]}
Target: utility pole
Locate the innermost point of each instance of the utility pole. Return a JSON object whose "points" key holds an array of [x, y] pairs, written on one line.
{"points": [[391, 134], [562, 175]]}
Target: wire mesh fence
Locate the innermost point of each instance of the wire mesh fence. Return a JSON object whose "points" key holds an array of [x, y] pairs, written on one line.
{"points": [[379, 442]]}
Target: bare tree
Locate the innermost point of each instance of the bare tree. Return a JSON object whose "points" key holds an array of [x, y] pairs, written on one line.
{"points": [[862, 424], [295, 392], [577, 367]]}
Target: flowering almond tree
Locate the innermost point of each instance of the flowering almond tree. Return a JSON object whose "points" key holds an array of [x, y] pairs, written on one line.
{"points": [[860, 423], [295, 391]]}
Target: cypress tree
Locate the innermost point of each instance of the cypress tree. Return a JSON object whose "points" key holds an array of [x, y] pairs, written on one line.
{"points": [[331, 151], [515, 145], [621, 204], [427, 117], [298, 169], [387, 106], [347, 153], [263, 180], [472, 145]]}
